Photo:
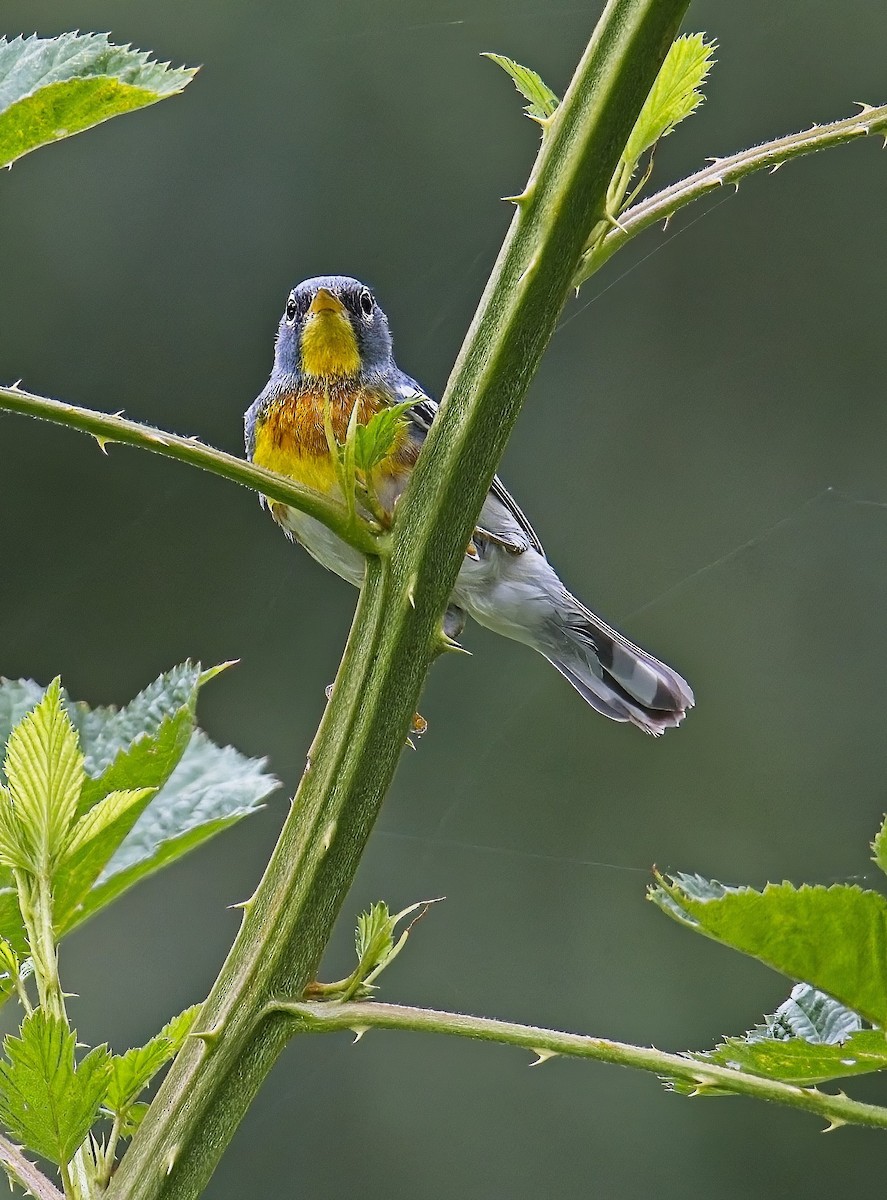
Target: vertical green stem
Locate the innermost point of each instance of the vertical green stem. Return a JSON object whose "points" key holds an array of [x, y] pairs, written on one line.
{"points": [[36, 903], [396, 631]]}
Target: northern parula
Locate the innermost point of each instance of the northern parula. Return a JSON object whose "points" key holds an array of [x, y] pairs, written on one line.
{"points": [[333, 341]]}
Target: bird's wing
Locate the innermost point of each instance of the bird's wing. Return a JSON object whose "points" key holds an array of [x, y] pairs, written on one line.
{"points": [[501, 516]]}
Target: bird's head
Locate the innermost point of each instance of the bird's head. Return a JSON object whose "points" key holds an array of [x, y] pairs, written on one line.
{"points": [[332, 328]]}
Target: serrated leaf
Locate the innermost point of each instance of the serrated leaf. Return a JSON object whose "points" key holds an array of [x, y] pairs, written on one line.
{"points": [[135, 1114], [810, 1039], [148, 761], [94, 840], [542, 100], [210, 789], [47, 1101], [879, 845], [133, 1071], [44, 767], [373, 937], [17, 698], [51, 88], [832, 938], [374, 441], [674, 96]]}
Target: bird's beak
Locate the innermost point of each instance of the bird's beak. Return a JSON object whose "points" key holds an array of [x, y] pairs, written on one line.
{"points": [[325, 302]]}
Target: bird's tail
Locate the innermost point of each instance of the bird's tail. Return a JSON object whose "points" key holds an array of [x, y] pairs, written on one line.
{"points": [[616, 677]]}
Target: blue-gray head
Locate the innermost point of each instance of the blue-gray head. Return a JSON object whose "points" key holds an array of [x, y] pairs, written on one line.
{"points": [[332, 327]]}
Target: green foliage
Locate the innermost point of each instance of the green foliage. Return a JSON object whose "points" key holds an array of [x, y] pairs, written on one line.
{"points": [[541, 99], [810, 1039], [675, 95], [104, 831], [48, 1101], [832, 938], [133, 1071], [374, 441], [375, 945], [51, 88]]}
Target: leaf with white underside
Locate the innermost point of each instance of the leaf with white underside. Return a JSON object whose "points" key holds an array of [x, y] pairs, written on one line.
{"points": [[48, 1101], [810, 1039], [51, 88]]}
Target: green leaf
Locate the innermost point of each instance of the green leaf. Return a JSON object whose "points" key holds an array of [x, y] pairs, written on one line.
{"points": [[375, 944], [210, 789], [374, 441], [810, 1039], [832, 938], [44, 767], [51, 88], [674, 96], [542, 100], [17, 698], [879, 845], [133, 1071], [94, 839], [47, 1101]]}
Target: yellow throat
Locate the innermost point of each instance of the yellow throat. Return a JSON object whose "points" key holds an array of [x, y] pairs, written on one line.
{"points": [[328, 344]]}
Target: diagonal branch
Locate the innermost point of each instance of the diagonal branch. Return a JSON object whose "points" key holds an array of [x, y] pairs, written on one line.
{"points": [[732, 169], [107, 428], [361, 1015], [21, 1170]]}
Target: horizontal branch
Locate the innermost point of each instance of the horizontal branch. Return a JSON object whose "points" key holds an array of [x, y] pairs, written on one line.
{"points": [[29, 1177], [107, 428], [359, 1016], [721, 171]]}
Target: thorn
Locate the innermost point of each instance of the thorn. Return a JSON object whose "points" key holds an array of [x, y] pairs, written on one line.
{"points": [[863, 107], [542, 1056], [103, 443], [776, 167], [411, 592], [358, 1031], [171, 1159], [665, 222], [328, 691], [16, 387], [448, 643], [209, 1037], [834, 1123], [328, 834], [244, 905], [411, 743], [520, 199]]}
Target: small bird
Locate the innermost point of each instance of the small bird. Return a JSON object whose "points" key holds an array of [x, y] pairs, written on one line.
{"points": [[334, 347]]}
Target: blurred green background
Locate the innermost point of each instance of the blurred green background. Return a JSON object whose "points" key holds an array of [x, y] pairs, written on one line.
{"points": [[675, 454]]}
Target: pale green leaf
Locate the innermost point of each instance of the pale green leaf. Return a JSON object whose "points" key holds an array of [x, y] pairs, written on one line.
{"points": [[94, 840], [674, 96], [879, 845], [373, 937], [51, 88], [210, 789], [374, 441], [833, 938], [44, 767], [133, 1071], [16, 852], [48, 1101], [542, 100]]}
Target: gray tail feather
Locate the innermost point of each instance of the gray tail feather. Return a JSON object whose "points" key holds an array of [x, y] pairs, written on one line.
{"points": [[616, 677]]}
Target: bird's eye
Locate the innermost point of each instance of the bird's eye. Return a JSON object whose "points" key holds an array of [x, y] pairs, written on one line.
{"points": [[367, 304], [291, 309]]}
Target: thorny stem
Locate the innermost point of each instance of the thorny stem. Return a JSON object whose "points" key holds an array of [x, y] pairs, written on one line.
{"points": [[108, 428], [360, 1015], [35, 901], [29, 1178], [732, 169], [397, 628]]}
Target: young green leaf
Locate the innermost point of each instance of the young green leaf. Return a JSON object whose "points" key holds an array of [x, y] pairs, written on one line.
{"points": [[94, 840], [374, 441], [675, 95], [47, 1100], [542, 100], [810, 1039], [51, 88], [212, 788], [44, 767], [133, 1071], [828, 937], [375, 944]]}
